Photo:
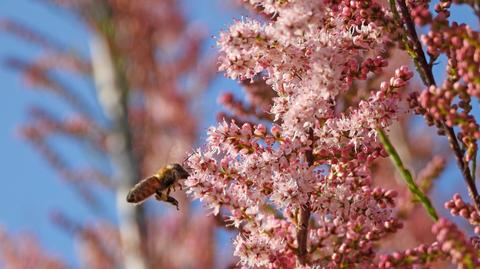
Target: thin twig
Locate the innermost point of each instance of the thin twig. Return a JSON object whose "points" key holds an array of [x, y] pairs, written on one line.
{"points": [[407, 176], [476, 9], [428, 79], [474, 166]]}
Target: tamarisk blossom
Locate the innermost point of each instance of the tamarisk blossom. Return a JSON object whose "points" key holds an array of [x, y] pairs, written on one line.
{"points": [[450, 244], [300, 192]]}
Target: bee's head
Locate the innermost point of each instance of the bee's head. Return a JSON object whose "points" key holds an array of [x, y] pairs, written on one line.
{"points": [[180, 171]]}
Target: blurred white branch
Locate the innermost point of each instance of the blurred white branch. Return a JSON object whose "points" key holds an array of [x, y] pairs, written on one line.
{"points": [[113, 97]]}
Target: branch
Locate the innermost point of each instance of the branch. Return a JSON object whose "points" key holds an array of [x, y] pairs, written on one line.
{"points": [[304, 216], [428, 79], [407, 176], [112, 90], [302, 233]]}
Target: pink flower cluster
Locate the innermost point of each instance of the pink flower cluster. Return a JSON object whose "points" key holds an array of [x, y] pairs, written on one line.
{"points": [[453, 243], [451, 102], [417, 257], [296, 181], [458, 207], [450, 244], [313, 158], [263, 179], [439, 104]]}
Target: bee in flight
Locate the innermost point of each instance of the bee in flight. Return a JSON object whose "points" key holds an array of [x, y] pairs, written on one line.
{"points": [[159, 184]]}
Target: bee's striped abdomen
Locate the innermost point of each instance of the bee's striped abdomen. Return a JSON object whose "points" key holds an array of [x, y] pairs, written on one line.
{"points": [[143, 189]]}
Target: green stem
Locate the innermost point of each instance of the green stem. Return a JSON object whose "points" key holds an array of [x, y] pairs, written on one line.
{"points": [[407, 176]]}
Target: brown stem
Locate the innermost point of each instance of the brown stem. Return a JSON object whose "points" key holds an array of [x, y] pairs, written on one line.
{"points": [[304, 215], [302, 233], [425, 71]]}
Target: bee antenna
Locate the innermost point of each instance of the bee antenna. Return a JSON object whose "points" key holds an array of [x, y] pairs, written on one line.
{"points": [[193, 151], [188, 156]]}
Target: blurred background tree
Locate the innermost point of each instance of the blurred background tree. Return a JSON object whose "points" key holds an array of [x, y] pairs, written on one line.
{"points": [[147, 68]]}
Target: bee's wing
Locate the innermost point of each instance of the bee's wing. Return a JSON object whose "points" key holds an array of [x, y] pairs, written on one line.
{"points": [[143, 189]]}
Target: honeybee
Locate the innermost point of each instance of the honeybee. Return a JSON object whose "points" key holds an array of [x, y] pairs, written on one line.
{"points": [[159, 184]]}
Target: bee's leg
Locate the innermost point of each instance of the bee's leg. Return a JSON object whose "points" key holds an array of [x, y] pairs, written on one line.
{"points": [[172, 201], [161, 196]]}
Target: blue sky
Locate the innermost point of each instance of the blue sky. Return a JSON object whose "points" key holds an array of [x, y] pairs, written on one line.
{"points": [[30, 189]]}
